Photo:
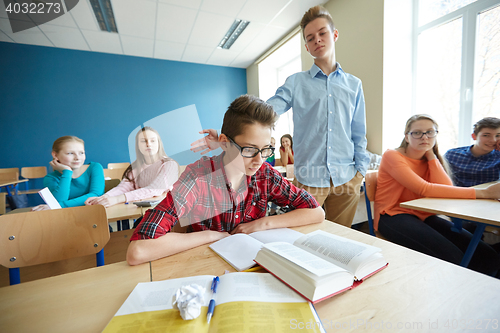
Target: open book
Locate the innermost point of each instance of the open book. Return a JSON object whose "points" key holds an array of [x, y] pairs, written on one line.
{"points": [[245, 302], [239, 250], [320, 265]]}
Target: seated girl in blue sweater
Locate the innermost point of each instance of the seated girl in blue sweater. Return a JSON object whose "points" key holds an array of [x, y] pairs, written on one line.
{"points": [[71, 183]]}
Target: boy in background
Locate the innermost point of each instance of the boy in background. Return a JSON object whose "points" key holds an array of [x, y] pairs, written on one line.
{"points": [[479, 163]]}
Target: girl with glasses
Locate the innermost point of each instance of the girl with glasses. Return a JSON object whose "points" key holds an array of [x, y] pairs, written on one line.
{"points": [[415, 170]]}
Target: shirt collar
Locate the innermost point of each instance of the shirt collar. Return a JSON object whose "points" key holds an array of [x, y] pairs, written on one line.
{"points": [[315, 70]]}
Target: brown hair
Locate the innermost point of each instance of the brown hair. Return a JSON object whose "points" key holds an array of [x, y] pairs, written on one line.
{"points": [[58, 144], [314, 13], [488, 122], [139, 157], [435, 149], [247, 110], [289, 137]]}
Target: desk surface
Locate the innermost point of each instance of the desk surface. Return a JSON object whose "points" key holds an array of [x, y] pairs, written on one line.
{"points": [[82, 301], [12, 182], [478, 210], [415, 291], [123, 212], [413, 288]]}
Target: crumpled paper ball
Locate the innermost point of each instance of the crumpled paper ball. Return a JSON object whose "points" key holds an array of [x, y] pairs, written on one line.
{"points": [[188, 300]]}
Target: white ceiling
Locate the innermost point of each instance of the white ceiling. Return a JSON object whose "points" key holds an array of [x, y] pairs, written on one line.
{"points": [[181, 30]]}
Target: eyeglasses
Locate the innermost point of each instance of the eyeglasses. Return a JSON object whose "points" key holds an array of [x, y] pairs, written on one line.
{"points": [[418, 135], [252, 151]]}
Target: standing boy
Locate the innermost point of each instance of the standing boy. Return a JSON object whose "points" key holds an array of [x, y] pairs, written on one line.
{"points": [[479, 163], [329, 121], [227, 193]]}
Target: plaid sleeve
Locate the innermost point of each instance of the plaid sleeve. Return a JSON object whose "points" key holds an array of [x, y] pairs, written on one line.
{"points": [[157, 221], [284, 193], [161, 219]]}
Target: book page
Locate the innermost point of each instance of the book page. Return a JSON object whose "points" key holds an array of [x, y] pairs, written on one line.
{"points": [[49, 199], [340, 251], [259, 302], [277, 235], [239, 250], [304, 259]]}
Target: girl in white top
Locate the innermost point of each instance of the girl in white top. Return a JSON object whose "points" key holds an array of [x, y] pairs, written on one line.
{"points": [[151, 174]]}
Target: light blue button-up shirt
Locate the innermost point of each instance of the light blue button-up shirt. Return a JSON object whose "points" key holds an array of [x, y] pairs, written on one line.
{"points": [[329, 139]]}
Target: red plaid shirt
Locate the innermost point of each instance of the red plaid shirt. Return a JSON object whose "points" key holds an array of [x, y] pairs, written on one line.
{"points": [[203, 196]]}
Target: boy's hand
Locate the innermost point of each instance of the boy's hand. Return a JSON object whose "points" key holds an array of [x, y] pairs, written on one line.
{"points": [[249, 227], [498, 145], [207, 143]]}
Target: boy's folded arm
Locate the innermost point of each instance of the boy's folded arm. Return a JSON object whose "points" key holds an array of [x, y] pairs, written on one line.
{"points": [[144, 250], [295, 218]]}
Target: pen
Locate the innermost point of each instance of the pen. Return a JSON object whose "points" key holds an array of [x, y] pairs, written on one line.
{"points": [[211, 305], [253, 269]]}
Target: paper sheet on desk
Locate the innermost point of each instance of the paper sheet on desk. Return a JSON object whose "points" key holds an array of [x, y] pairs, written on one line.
{"points": [[49, 199]]}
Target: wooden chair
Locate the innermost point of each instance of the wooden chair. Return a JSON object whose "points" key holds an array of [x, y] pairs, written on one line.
{"points": [[9, 174], [118, 165], [370, 186], [34, 238], [114, 173], [32, 173]]}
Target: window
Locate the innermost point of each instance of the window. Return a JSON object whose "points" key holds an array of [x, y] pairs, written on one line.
{"points": [[273, 71], [457, 65]]}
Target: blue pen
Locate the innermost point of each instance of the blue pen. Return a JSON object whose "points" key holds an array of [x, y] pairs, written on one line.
{"points": [[211, 305]]}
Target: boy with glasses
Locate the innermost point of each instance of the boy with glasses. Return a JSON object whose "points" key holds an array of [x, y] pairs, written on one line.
{"points": [[225, 194], [479, 163]]}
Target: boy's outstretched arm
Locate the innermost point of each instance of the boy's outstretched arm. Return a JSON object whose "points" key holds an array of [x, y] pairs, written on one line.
{"points": [[207, 143], [144, 250], [295, 218]]}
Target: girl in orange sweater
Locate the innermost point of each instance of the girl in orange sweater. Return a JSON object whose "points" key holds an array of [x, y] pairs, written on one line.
{"points": [[415, 170]]}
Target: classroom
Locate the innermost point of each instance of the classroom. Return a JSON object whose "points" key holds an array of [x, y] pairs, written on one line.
{"points": [[165, 71]]}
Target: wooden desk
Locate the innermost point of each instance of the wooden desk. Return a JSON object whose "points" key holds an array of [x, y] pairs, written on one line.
{"points": [[414, 291], [479, 211], [123, 212], [82, 301], [12, 182], [414, 288]]}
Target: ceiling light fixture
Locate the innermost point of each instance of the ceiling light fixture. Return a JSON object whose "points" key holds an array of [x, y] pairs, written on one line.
{"points": [[233, 33], [104, 14]]}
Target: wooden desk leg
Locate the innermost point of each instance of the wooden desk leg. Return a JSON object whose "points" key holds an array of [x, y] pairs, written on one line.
{"points": [[473, 244]]}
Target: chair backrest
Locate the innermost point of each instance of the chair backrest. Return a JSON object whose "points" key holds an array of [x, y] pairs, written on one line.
{"points": [[290, 171], [371, 184], [9, 174], [34, 238], [33, 172], [110, 184], [114, 173], [118, 165]]}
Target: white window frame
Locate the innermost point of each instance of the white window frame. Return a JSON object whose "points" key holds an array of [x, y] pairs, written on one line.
{"points": [[469, 16]]}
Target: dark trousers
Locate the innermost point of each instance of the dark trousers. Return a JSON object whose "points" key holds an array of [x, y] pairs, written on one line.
{"points": [[434, 237]]}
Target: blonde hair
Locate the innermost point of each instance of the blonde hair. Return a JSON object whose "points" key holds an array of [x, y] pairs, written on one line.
{"points": [[59, 143], [140, 160], [314, 13], [404, 143]]}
